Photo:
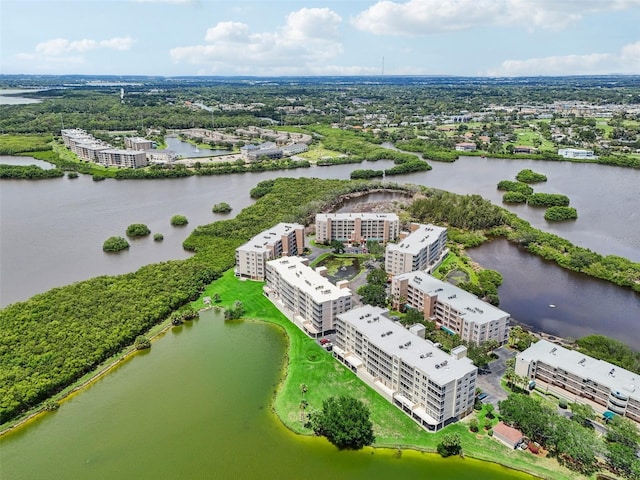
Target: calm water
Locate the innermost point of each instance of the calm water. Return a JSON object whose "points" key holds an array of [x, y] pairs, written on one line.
{"points": [[11, 97], [195, 407], [583, 305], [13, 160], [189, 150]]}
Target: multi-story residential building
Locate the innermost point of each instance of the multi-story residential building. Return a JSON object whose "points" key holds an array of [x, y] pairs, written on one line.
{"points": [[581, 379], [453, 309], [357, 227], [431, 386], [161, 156], [423, 248], [122, 158], [308, 298], [284, 239], [576, 153], [89, 151], [137, 143], [294, 149], [465, 147]]}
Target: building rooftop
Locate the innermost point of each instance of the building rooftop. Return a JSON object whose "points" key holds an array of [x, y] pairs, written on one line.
{"points": [[295, 272], [615, 378], [418, 239], [364, 216], [467, 305], [262, 241], [138, 140], [120, 151], [396, 340]]}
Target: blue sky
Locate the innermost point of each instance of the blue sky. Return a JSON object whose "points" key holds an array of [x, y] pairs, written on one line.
{"points": [[295, 37]]}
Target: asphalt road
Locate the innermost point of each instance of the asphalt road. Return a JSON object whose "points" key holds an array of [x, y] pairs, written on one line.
{"points": [[490, 383]]}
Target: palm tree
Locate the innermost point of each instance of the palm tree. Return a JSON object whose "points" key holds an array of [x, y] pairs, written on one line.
{"points": [[303, 405], [303, 389]]}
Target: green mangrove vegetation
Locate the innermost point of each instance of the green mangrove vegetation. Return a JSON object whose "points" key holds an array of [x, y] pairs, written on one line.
{"points": [[366, 174], [222, 207], [511, 186], [115, 244], [138, 230], [558, 214], [179, 220], [28, 172], [548, 200], [158, 237], [514, 197], [529, 176]]}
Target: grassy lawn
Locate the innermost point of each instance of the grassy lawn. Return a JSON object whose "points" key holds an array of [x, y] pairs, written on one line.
{"points": [[526, 137], [308, 363], [453, 262], [317, 152], [95, 169]]}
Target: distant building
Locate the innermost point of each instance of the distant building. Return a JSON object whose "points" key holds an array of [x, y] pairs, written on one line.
{"points": [[122, 158], [284, 239], [581, 379], [137, 143], [308, 298], [161, 156], [453, 309], [577, 153], [423, 248], [465, 147], [294, 149], [429, 385], [357, 227], [524, 149]]}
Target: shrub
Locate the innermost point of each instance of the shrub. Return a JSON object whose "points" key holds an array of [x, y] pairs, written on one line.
{"points": [[115, 244], [142, 343], [179, 220], [557, 214], [562, 403], [72, 175], [514, 197], [158, 237], [97, 178], [548, 200], [529, 176], [365, 174], [511, 186], [138, 230], [221, 207]]}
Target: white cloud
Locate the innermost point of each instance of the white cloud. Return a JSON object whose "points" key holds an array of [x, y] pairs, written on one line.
{"points": [[307, 40], [423, 17], [627, 61], [62, 46]]}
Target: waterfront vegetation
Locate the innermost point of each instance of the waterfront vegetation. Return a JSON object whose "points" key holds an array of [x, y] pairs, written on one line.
{"points": [[529, 176], [28, 172], [559, 213], [138, 230], [179, 220], [548, 200], [610, 350], [115, 244], [366, 174], [158, 237], [222, 207], [511, 186]]}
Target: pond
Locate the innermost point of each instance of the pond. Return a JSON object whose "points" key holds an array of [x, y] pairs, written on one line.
{"points": [[340, 267]]}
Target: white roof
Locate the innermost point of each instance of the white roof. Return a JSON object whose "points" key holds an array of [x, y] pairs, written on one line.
{"points": [[468, 305], [363, 216], [418, 239], [617, 379], [262, 241], [396, 340], [295, 272]]}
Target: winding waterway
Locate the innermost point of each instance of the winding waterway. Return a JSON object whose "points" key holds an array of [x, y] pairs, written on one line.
{"points": [[197, 406]]}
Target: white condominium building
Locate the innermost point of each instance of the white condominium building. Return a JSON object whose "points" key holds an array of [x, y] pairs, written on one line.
{"points": [[431, 386], [453, 309], [308, 298], [357, 227], [122, 158], [137, 143], [423, 248], [581, 379], [576, 153], [283, 239]]}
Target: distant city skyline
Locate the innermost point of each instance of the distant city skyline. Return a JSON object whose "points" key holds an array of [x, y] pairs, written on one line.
{"points": [[303, 37]]}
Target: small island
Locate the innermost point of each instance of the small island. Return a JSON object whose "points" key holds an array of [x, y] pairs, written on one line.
{"points": [[529, 176], [222, 207], [558, 214], [179, 220], [158, 237], [115, 244], [138, 230]]}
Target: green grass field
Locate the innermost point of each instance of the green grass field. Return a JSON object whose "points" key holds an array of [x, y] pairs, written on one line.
{"points": [[308, 363]]}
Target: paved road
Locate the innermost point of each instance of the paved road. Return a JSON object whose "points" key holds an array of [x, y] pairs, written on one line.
{"points": [[490, 383]]}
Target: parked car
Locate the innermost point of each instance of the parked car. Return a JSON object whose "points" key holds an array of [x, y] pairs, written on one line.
{"points": [[324, 341]]}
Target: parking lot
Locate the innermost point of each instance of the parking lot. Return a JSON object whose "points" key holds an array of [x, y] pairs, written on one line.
{"points": [[489, 380]]}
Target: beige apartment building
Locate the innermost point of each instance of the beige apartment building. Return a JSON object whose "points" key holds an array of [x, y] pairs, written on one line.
{"points": [[423, 248], [581, 379], [429, 385], [137, 143], [307, 297], [453, 309], [122, 158], [357, 227], [284, 239]]}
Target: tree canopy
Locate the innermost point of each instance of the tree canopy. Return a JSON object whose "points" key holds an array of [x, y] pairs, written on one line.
{"points": [[344, 421]]}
